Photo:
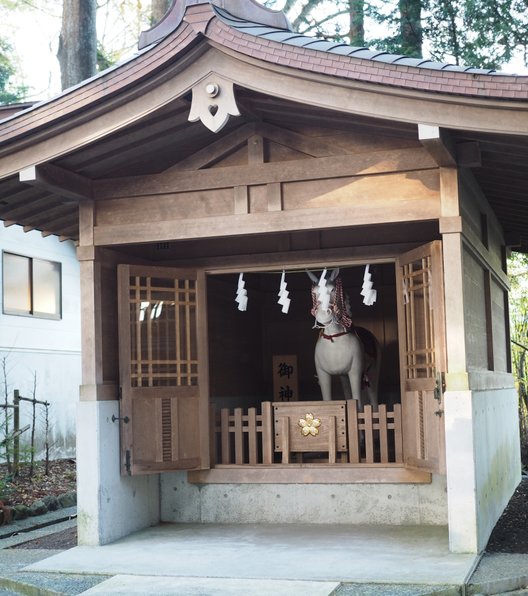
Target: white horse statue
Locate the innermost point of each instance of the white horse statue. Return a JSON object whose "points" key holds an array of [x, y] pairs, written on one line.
{"points": [[352, 353]]}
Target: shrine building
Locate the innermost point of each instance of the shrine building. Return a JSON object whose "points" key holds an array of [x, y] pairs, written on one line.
{"points": [[211, 171]]}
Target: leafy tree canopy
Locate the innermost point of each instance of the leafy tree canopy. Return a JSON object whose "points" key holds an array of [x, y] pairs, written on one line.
{"points": [[479, 33], [9, 91]]}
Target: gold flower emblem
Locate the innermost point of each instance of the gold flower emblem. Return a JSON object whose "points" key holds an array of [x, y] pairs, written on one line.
{"points": [[309, 425]]}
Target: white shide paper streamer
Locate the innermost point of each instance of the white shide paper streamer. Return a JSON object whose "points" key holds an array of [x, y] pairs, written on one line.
{"points": [[367, 290], [323, 292], [283, 300], [241, 295]]}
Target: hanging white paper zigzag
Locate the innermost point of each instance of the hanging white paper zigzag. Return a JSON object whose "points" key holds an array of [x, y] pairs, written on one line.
{"points": [[241, 295], [323, 292], [367, 290], [283, 300]]}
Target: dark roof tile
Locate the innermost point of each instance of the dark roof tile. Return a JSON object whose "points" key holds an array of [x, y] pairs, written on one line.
{"points": [[345, 50], [365, 54], [278, 35], [322, 45], [299, 40]]}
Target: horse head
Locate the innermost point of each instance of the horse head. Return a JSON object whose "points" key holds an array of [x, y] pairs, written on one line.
{"points": [[329, 304]]}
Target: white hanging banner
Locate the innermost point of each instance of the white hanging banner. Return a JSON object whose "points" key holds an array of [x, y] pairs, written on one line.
{"points": [[367, 290], [241, 295], [283, 300]]}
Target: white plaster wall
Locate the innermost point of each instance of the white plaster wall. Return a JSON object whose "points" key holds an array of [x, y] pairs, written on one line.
{"points": [[58, 378], [49, 348], [497, 456], [394, 504], [483, 462], [109, 506]]}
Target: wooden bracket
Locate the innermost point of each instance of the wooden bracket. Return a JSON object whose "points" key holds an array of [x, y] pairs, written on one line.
{"points": [[438, 144], [59, 181]]}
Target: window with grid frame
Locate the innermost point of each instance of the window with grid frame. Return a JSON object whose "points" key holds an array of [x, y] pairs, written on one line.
{"points": [[31, 286]]}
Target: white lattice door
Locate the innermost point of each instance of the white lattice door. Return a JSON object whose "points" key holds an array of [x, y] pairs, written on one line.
{"points": [[163, 370], [422, 355]]}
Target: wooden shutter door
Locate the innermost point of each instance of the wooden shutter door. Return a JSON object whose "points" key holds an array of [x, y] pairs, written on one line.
{"points": [[422, 355], [163, 370]]}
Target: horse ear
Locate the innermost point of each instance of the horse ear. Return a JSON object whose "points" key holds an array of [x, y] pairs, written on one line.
{"points": [[334, 274], [312, 276]]}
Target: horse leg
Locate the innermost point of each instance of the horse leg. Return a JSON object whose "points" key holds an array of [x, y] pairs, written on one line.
{"points": [[345, 384], [355, 375], [373, 378], [372, 391], [325, 382]]}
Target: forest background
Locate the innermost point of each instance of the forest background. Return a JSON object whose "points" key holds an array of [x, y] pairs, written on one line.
{"points": [[49, 45]]}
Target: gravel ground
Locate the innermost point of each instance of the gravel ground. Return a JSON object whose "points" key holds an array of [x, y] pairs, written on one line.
{"points": [[510, 534]]}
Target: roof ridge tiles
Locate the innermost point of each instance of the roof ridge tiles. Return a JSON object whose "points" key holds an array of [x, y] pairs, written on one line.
{"points": [[241, 11], [363, 53]]}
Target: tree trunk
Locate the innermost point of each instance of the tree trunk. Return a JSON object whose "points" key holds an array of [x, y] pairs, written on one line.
{"points": [[77, 52], [411, 27], [159, 9], [357, 22]]}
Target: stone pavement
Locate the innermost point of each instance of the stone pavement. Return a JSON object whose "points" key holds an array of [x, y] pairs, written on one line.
{"points": [[230, 560]]}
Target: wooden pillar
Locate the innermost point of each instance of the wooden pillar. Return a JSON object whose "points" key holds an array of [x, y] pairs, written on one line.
{"points": [[93, 386], [130, 503], [458, 398], [451, 230]]}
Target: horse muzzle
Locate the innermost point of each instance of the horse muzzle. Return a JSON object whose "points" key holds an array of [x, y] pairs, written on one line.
{"points": [[324, 316]]}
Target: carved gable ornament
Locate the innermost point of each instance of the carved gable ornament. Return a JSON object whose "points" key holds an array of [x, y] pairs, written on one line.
{"points": [[213, 101]]}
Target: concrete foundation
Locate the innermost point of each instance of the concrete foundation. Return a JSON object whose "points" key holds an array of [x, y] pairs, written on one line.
{"points": [[483, 463], [109, 505], [393, 504]]}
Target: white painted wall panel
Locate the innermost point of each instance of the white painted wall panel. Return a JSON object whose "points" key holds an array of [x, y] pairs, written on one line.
{"points": [[51, 349]]}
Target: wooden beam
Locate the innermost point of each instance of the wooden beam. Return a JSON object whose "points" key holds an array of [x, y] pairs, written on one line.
{"points": [[315, 147], [298, 260], [213, 152], [59, 181], [257, 223], [21, 209], [310, 473], [380, 162], [438, 143]]}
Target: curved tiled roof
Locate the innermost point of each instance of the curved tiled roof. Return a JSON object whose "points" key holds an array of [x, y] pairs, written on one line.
{"points": [[283, 47], [289, 37], [136, 103]]}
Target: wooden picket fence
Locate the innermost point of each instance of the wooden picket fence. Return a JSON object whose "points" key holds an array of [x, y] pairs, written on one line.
{"points": [[247, 437]]}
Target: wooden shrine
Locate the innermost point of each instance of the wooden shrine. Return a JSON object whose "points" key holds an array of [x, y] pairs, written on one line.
{"points": [[231, 145]]}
